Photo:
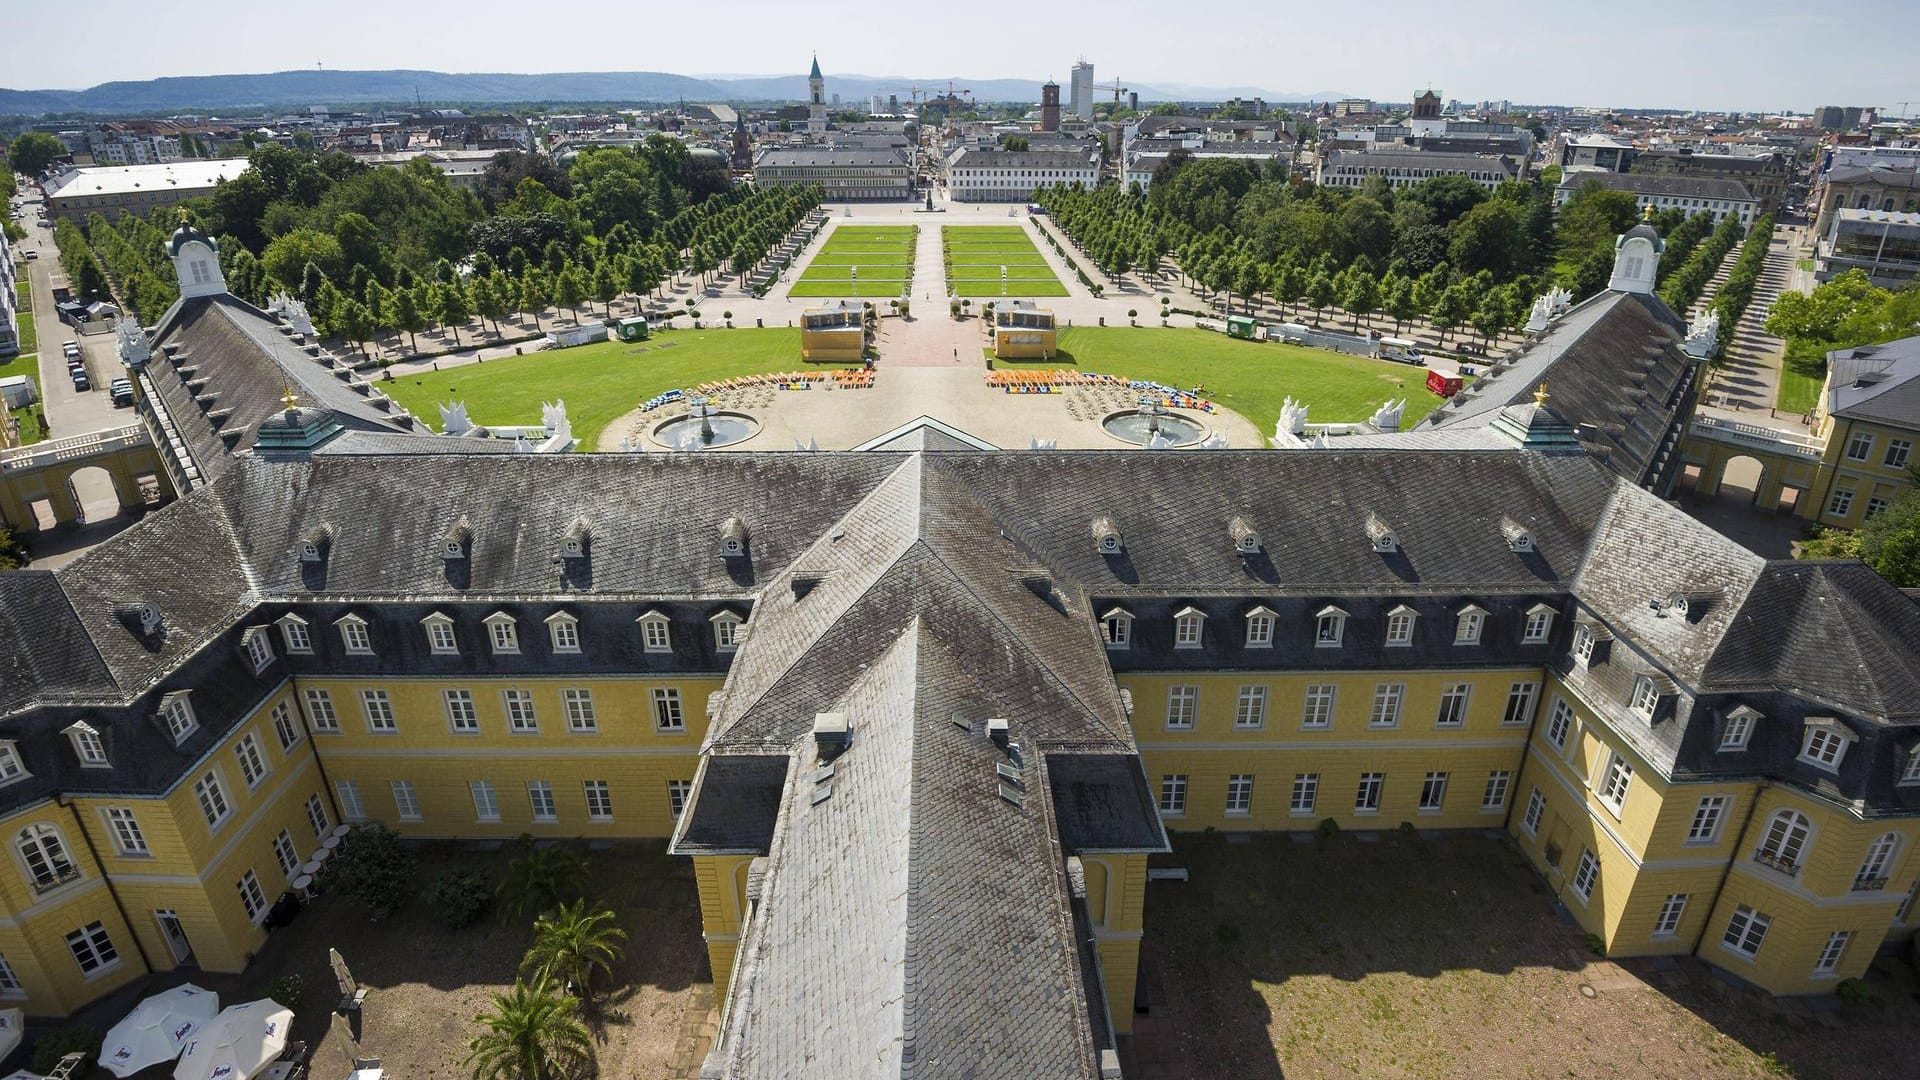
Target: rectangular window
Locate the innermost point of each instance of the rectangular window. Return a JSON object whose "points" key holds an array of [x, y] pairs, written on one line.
{"points": [[667, 715], [1306, 791], [1671, 909], [1646, 696], [678, 791], [486, 805], [1832, 952], [1386, 705], [1536, 807], [1453, 705], [353, 635], [1250, 709], [1328, 629], [1259, 631], [92, 948], [1366, 798], [1466, 630], [350, 804], [505, 635], [1586, 875], [320, 711], [1183, 703], [521, 718], [1613, 791], [1117, 628], [1559, 723], [1875, 505], [1841, 503], [379, 711], [1240, 793], [177, 713], [726, 634], [1519, 710], [1495, 795], [1746, 930], [253, 768], [1400, 628], [441, 639], [1433, 791], [285, 728], [654, 634], [251, 897], [1583, 639], [285, 855], [1860, 446], [1173, 794], [1739, 730], [1898, 451], [294, 633], [259, 653], [213, 800], [405, 802], [317, 816], [1539, 627], [1318, 712], [599, 801], [581, 719], [540, 799], [1705, 828], [10, 767], [462, 717], [127, 837], [564, 635], [1186, 632], [9, 982], [1824, 747]]}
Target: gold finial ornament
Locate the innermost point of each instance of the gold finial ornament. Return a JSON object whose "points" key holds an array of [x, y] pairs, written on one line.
{"points": [[1540, 394], [290, 399], [1647, 214]]}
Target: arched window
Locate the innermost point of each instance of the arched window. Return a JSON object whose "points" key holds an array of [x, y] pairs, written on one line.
{"points": [[1785, 842], [46, 856], [1878, 864]]}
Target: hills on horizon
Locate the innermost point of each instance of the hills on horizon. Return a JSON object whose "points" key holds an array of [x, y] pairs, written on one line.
{"points": [[299, 89]]}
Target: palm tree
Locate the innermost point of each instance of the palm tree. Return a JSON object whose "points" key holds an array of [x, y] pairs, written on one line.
{"points": [[532, 1034], [570, 943], [542, 879]]}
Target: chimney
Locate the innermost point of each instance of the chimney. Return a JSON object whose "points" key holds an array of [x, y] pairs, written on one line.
{"points": [[998, 728], [831, 734]]}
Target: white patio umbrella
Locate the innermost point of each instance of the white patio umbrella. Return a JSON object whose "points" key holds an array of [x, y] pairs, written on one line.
{"points": [[238, 1043], [157, 1028], [13, 1024]]}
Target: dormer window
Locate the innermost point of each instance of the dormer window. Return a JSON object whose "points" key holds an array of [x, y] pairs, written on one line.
{"points": [[1739, 728], [655, 632], [88, 746], [1519, 537], [441, 638], [1400, 626], [503, 633], [354, 636], [1382, 536], [259, 650], [1826, 743], [1246, 540], [176, 715], [457, 542], [573, 543], [1330, 628], [1583, 642], [1469, 624], [1539, 625], [1647, 692], [726, 631], [294, 634], [1116, 626], [1186, 627], [563, 632], [733, 538], [1260, 628], [313, 546], [1106, 536], [1911, 773], [11, 767]]}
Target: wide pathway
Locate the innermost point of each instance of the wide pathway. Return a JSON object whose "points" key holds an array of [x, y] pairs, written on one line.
{"points": [[1747, 385]]}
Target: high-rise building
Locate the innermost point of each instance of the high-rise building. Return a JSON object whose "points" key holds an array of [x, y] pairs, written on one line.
{"points": [[1050, 106], [1081, 90]]}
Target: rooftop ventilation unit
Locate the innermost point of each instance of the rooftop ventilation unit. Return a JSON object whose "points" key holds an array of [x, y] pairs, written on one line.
{"points": [[831, 734], [998, 729]]}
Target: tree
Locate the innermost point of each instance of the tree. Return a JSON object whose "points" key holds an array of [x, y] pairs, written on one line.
{"points": [[1014, 142], [531, 1034], [542, 879], [570, 291], [370, 869], [1490, 317], [1453, 308], [1319, 292], [404, 315], [1488, 237], [356, 324], [361, 244], [286, 259], [454, 308], [1889, 541], [1362, 296], [13, 553], [1399, 303], [488, 303], [606, 285], [570, 942], [31, 153]]}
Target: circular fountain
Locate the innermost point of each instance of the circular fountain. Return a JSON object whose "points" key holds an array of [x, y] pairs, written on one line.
{"points": [[705, 428], [1153, 425]]}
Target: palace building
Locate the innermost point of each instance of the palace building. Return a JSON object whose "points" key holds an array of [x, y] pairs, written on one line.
{"points": [[920, 714]]}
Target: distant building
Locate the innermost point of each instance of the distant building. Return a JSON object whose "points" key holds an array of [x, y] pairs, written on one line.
{"points": [[1687, 193], [1050, 106], [816, 101], [1352, 107], [114, 190], [844, 174], [1602, 153], [9, 298], [1145, 155], [1765, 176], [1081, 90], [1011, 175], [1884, 244], [1023, 330], [1868, 178], [1837, 117], [1405, 168]]}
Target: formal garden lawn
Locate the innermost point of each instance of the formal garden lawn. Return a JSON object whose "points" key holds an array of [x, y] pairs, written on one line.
{"points": [[1253, 378], [599, 382], [976, 254], [882, 255], [1802, 372]]}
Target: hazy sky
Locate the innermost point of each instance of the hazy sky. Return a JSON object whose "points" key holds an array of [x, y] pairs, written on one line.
{"points": [[1754, 54]]}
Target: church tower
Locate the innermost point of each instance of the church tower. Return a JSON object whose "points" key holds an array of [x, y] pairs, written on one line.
{"points": [[196, 261], [1636, 257], [816, 101]]}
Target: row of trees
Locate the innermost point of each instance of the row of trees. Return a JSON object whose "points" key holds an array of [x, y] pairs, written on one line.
{"points": [[1737, 291], [1844, 312], [1684, 279], [133, 251]]}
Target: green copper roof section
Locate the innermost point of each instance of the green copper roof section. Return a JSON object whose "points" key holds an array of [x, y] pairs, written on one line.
{"points": [[816, 68]]}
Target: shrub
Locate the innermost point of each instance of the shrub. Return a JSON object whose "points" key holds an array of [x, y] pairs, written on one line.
{"points": [[1853, 991], [459, 900], [1596, 945], [53, 1045], [370, 869], [1329, 827], [288, 990]]}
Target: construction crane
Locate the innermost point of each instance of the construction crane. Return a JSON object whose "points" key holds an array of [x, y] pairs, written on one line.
{"points": [[1117, 91]]}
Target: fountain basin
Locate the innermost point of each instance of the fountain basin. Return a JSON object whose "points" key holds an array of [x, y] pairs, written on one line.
{"points": [[1136, 426], [722, 429]]}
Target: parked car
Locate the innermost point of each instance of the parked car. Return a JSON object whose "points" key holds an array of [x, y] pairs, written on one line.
{"points": [[71, 348], [32, 254], [81, 382], [121, 391]]}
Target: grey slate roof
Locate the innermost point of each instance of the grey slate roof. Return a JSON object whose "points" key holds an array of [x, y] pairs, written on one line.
{"points": [[1023, 159], [1879, 383], [1667, 184]]}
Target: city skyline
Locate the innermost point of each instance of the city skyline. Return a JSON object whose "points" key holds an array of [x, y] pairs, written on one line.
{"points": [[1485, 50]]}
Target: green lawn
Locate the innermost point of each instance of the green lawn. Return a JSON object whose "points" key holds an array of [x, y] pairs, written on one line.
{"points": [[1801, 374], [1252, 378], [23, 305], [599, 382], [1015, 288], [882, 253], [975, 254], [863, 287]]}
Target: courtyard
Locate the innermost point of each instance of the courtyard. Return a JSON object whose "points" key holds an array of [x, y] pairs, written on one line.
{"points": [[996, 261], [1405, 954], [860, 260]]}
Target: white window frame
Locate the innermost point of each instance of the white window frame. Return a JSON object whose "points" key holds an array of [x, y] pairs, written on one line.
{"points": [[563, 633], [259, 651], [176, 715], [1739, 729], [1709, 814], [253, 764], [442, 638], [1189, 624], [1260, 624], [285, 728], [253, 899], [1469, 624], [1493, 798], [503, 634], [295, 635], [582, 717], [1250, 707], [317, 819], [88, 746], [1239, 794], [1305, 794], [541, 803], [669, 712], [486, 802], [320, 711], [1586, 874], [678, 793], [406, 801], [1173, 794], [1674, 908], [42, 844], [9, 981], [376, 707], [1316, 710], [656, 632], [1389, 698], [1329, 628], [1539, 625], [463, 713], [1785, 841], [1455, 700], [93, 950], [129, 840], [1618, 782], [1825, 746], [1646, 697], [355, 638], [1584, 640], [1827, 964], [286, 855], [1116, 628], [1559, 724], [1183, 706], [726, 631], [1876, 867], [523, 716], [211, 794], [1400, 622], [352, 807], [599, 796], [12, 768], [1536, 810], [1433, 792], [1368, 794], [1521, 698], [1899, 452], [1860, 446], [1841, 503]]}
